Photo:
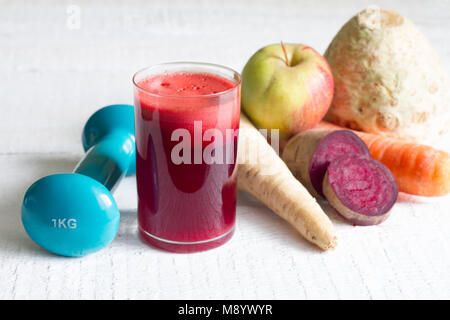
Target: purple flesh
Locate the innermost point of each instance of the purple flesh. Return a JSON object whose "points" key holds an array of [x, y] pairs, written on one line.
{"points": [[331, 147], [363, 185]]}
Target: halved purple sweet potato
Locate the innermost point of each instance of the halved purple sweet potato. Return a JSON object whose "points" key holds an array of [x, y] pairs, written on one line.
{"points": [[309, 153], [361, 189]]}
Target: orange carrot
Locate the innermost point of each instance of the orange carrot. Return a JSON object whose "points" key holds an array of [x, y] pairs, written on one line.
{"points": [[419, 169]]}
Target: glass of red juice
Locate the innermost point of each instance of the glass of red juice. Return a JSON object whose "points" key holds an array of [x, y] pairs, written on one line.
{"points": [[186, 127]]}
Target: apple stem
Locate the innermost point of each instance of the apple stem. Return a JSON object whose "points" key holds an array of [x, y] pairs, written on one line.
{"points": [[285, 54]]}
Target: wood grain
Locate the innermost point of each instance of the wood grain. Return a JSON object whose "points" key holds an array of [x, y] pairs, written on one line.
{"points": [[54, 76]]}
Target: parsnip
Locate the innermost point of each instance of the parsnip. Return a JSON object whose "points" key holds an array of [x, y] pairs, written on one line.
{"points": [[264, 175]]}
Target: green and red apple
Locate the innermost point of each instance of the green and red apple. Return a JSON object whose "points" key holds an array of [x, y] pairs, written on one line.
{"points": [[287, 87]]}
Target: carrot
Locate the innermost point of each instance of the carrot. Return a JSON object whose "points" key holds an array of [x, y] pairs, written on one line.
{"points": [[419, 169], [263, 174]]}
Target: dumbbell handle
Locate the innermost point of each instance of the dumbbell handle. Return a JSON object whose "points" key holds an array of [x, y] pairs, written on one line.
{"points": [[108, 161]]}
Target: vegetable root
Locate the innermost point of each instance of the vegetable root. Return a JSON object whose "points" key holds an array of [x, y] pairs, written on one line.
{"points": [[361, 189], [418, 169], [263, 174], [309, 153]]}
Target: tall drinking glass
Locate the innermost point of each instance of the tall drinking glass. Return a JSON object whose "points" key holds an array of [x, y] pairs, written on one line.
{"points": [[186, 123]]}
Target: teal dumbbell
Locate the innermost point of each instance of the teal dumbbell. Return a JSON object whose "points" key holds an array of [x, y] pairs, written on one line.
{"points": [[74, 214]]}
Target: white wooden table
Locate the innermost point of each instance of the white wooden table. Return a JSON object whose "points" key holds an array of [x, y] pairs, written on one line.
{"points": [[60, 61]]}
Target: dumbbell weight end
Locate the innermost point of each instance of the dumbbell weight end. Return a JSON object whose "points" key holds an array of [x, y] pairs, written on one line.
{"points": [[74, 214]]}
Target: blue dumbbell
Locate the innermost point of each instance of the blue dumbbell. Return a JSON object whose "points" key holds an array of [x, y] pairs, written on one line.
{"points": [[74, 214]]}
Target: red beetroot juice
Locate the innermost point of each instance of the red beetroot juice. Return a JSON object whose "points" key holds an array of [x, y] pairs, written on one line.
{"points": [[186, 142]]}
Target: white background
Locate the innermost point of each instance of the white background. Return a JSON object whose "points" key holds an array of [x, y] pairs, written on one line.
{"points": [[54, 73]]}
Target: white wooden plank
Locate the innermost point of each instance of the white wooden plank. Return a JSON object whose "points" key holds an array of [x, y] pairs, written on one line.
{"points": [[53, 78], [408, 256]]}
